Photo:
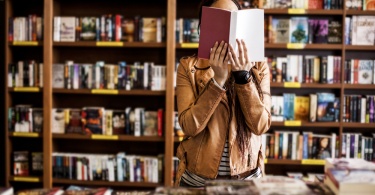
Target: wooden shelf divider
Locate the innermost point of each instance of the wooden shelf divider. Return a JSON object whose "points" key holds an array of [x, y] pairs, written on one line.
{"points": [[359, 86], [360, 47], [112, 137], [106, 183]]}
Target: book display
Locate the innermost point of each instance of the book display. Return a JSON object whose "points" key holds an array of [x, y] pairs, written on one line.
{"points": [[90, 88]]}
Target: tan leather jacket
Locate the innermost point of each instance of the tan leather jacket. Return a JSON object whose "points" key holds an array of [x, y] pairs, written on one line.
{"points": [[203, 114]]}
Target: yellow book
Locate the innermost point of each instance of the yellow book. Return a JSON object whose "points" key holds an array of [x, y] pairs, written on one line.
{"points": [[301, 108]]}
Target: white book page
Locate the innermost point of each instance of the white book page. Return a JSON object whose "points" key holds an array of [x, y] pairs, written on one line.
{"points": [[250, 28]]}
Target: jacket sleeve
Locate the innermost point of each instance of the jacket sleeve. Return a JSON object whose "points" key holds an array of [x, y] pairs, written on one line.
{"points": [[256, 102], [195, 112]]}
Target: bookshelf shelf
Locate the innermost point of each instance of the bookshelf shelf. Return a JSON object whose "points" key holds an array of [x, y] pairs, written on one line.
{"points": [[359, 86], [106, 183], [26, 43], [25, 89], [308, 85], [302, 12], [294, 162], [360, 12], [29, 179], [25, 135], [114, 138], [358, 125], [360, 47], [109, 44], [110, 92], [303, 46], [307, 124]]}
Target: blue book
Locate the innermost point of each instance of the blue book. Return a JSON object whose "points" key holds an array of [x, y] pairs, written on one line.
{"points": [[325, 107], [289, 106]]}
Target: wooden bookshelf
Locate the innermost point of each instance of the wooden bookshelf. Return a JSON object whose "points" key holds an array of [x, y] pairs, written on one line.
{"points": [[305, 85], [110, 92], [360, 12], [359, 86], [306, 162], [106, 183], [113, 137], [25, 89], [50, 52], [305, 124], [360, 47], [28, 179], [302, 12], [25, 135], [109, 44], [26, 43]]}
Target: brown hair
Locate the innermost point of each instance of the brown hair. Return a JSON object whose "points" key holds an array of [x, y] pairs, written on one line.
{"points": [[243, 132]]}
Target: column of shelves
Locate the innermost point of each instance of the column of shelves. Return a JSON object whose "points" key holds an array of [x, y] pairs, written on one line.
{"points": [[30, 94], [111, 52]]}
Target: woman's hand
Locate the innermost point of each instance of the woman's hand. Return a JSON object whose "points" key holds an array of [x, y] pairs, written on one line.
{"points": [[219, 62], [242, 61]]}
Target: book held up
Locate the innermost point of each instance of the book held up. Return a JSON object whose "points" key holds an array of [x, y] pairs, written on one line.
{"points": [[224, 25]]}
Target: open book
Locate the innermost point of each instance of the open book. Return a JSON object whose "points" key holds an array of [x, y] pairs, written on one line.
{"points": [[219, 24]]}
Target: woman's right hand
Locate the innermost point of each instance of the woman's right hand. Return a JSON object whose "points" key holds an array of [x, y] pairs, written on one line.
{"points": [[219, 62]]}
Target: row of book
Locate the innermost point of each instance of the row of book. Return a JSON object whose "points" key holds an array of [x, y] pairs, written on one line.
{"points": [[25, 118], [356, 145], [28, 28], [108, 167], [303, 4], [101, 75], [296, 146], [187, 30], [320, 107], [109, 27], [305, 69], [358, 71], [303, 30], [98, 120], [360, 4], [27, 163], [358, 108], [359, 30], [25, 73]]}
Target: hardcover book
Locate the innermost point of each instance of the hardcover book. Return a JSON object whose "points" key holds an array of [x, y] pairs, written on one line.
{"points": [[88, 32], [363, 30], [281, 30], [73, 121], [298, 31], [37, 120], [67, 29], [149, 29], [228, 26], [334, 32], [118, 122], [301, 108], [151, 123], [58, 76], [58, 120], [318, 31], [365, 71], [325, 107], [21, 163], [289, 106], [93, 120]]}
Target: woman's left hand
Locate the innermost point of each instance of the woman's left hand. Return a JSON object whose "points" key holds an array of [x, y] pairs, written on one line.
{"points": [[242, 61]]}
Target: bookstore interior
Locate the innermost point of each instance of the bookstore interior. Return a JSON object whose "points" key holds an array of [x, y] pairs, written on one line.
{"points": [[90, 107]]}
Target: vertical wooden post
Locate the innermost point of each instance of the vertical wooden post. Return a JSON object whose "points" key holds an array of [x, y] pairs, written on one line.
{"points": [[170, 96]]}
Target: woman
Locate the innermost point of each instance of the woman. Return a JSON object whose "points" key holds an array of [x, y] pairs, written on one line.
{"points": [[223, 110]]}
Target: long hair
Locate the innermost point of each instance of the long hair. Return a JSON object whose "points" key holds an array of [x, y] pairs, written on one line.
{"points": [[243, 132]]}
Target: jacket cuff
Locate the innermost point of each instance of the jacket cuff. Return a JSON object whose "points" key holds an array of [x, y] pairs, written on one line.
{"points": [[241, 77]]}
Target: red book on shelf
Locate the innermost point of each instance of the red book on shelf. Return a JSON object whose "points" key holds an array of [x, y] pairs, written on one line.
{"points": [[224, 25], [160, 122]]}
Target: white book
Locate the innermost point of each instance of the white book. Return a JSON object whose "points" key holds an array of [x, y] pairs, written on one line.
{"points": [[137, 121], [79, 170], [364, 30], [58, 121], [56, 28], [292, 68], [120, 169], [67, 29], [285, 144], [365, 71], [111, 169], [294, 145], [229, 25], [58, 76], [31, 74], [348, 145], [155, 170], [330, 63], [356, 144], [333, 145]]}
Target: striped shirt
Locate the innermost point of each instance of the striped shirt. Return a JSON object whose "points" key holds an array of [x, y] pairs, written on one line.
{"points": [[194, 180]]}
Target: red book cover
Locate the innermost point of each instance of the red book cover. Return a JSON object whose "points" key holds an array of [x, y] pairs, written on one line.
{"points": [[224, 25], [160, 122]]}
